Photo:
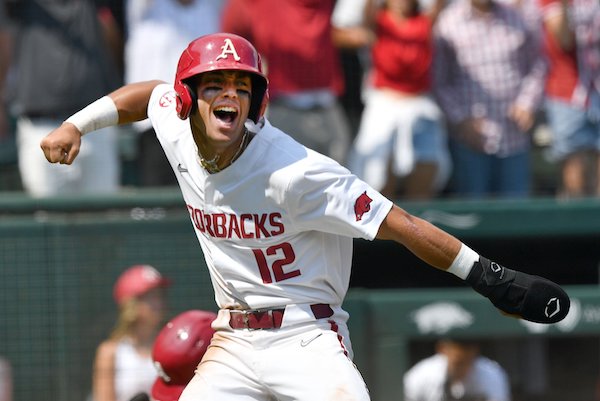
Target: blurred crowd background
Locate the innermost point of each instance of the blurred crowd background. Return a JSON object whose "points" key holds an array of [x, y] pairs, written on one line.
{"points": [[423, 99]]}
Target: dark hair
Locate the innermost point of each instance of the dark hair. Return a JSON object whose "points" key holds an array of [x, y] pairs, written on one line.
{"points": [[462, 341]]}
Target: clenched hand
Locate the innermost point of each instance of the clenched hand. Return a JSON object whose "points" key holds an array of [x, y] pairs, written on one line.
{"points": [[62, 144]]}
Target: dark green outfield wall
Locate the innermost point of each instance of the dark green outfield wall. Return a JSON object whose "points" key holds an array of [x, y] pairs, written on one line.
{"points": [[60, 257]]}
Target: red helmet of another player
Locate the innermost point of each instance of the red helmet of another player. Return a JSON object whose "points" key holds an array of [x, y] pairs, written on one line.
{"points": [[215, 52], [137, 280], [178, 349]]}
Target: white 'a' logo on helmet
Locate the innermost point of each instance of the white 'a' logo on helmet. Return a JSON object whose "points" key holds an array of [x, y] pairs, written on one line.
{"points": [[227, 49]]}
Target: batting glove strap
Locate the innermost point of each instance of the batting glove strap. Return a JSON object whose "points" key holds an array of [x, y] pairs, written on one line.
{"points": [[528, 296]]}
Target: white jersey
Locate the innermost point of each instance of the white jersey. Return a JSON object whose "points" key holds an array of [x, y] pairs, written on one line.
{"points": [[276, 227], [134, 373], [426, 381]]}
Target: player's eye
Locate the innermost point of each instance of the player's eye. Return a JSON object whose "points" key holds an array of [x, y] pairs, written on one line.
{"points": [[211, 90]]}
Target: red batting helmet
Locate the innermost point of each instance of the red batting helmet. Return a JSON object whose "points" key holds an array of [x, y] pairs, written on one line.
{"points": [[215, 52], [178, 349], [137, 280]]}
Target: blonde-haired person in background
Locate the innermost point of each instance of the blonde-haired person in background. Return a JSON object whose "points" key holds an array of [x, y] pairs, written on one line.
{"points": [[6, 380], [123, 366]]}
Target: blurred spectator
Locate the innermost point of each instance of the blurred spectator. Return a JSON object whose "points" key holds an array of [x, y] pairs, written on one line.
{"points": [[123, 366], [531, 12], [572, 43], [457, 371], [353, 39], [63, 63], [488, 78], [349, 27], [303, 66], [9, 174], [157, 33], [402, 132], [5, 56], [112, 20], [6, 380]]}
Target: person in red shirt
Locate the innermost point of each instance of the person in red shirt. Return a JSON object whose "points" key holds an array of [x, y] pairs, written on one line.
{"points": [[402, 133], [303, 66], [573, 92]]}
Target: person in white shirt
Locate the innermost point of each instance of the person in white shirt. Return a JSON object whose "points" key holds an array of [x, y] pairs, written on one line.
{"points": [[457, 371], [123, 364], [276, 222]]}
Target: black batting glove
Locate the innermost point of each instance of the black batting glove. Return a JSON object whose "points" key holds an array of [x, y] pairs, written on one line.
{"points": [[527, 296]]}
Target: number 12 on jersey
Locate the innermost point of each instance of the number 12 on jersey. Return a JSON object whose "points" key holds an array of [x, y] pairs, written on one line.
{"points": [[283, 254]]}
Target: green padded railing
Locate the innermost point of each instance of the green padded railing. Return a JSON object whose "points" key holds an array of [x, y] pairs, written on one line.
{"points": [[59, 258]]}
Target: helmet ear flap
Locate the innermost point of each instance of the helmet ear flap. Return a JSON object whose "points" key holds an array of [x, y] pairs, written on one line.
{"points": [[260, 98], [263, 105], [186, 99]]}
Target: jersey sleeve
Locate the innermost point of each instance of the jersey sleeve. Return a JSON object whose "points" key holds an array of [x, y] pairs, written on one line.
{"points": [[162, 102], [168, 127], [326, 197]]}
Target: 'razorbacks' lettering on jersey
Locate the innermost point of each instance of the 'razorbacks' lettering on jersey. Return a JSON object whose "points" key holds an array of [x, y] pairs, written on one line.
{"points": [[228, 225], [276, 227]]}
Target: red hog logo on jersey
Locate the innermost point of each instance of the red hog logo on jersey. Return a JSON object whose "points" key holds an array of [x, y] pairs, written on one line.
{"points": [[362, 205]]}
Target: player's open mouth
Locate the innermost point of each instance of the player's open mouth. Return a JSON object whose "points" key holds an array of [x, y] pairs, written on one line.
{"points": [[226, 114]]}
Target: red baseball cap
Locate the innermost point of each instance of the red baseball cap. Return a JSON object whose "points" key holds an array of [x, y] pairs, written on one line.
{"points": [[137, 280], [177, 350]]}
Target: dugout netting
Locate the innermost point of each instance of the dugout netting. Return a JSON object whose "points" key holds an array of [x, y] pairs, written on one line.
{"points": [[59, 259]]}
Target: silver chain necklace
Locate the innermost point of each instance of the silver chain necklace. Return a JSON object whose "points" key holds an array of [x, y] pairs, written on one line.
{"points": [[211, 165]]}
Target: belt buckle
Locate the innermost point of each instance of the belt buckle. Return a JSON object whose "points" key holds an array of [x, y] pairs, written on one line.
{"points": [[246, 319], [259, 317], [255, 319]]}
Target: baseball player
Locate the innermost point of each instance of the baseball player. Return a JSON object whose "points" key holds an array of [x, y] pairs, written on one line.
{"points": [[177, 350], [276, 223]]}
